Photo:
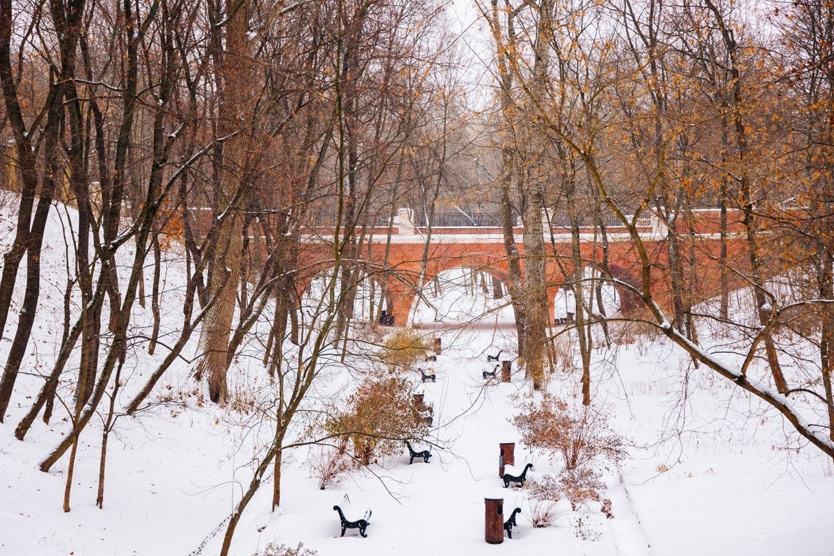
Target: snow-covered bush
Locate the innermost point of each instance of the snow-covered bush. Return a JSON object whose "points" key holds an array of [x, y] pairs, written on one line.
{"points": [[544, 492], [328, 464], [404, 348], [580, 485], [577, 434], [282, 550], [586, 529], [379, 417], [576, 485], [543, 513], [546, 487]]}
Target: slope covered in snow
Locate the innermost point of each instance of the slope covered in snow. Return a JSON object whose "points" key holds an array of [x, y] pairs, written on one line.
{"points": [[711, 471]]}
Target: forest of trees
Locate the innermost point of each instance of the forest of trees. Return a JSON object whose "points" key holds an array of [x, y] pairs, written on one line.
{"points": [[230, 128]]}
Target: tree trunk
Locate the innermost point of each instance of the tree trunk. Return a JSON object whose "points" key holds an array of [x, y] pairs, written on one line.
{"points": [[29, 235], [105, 434], [535, 270], [225, 276], [279, 456], [34, 241], [505, 180], [827, 333], [582, 316], [724, 196], [751, 223], [157, 270]]}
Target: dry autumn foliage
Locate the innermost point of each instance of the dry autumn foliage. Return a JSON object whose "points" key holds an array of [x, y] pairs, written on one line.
{"points": [[577, 434], [404, 348], [380, 416], [328, 464]]}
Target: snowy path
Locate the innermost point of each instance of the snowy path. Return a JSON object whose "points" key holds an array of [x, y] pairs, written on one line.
{"points": [[626, 528]]}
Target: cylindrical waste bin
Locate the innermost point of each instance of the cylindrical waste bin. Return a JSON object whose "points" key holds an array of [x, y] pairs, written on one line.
{"points": [[506, 456], [506, 370], [494, 520]]}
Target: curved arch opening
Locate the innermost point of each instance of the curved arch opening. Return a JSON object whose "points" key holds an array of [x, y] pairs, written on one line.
{"points": [[464, 295], [601, 298], [369, 296]]}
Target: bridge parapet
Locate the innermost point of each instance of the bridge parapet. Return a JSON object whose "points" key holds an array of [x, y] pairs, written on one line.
{"points": [[405, 222], [407, 228]]}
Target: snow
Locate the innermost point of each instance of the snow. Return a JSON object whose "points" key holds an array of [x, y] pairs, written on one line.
{"points": [[712, 470]]}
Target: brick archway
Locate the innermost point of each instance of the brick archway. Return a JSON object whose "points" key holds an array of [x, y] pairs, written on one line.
{"points": [[396, 261], [405, 286]]}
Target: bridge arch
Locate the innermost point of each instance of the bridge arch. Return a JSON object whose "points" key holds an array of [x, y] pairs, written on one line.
{"points": [[374, 286], [398, 260], [596, 291], [467, 278]]}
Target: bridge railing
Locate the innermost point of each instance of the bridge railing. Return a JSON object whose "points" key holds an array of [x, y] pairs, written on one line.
{"points": [[328, 220], [457, 219], [493, 220]]}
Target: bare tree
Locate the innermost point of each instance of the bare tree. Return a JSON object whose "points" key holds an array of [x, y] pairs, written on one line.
{"points": [[30, 139], [808, 31], [585, 143]]}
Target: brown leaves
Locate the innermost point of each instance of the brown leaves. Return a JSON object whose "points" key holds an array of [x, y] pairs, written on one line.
{"points": [[578, 434], [380, 415]]}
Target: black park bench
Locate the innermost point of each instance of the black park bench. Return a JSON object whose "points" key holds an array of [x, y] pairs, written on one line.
{"points": [[350, 518]]}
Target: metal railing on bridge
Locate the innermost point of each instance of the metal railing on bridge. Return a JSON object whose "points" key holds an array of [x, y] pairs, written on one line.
{"points": [[493, 220], [457, 219], [329, 219]]}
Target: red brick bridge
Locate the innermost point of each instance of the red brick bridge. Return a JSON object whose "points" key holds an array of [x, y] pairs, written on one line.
{"points": [[482, 249]]}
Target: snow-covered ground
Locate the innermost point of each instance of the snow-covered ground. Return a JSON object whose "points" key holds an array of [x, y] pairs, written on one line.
{"points": [[710, 472]]}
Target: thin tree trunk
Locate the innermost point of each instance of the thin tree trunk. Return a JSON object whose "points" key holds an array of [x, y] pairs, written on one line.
{"points": [[279, 455], [70, 468], [29, 237], [514, 274], [26, 161], [583, 325], [33, 275], [47, 393], [827, 333], [724, 196], [157, 268], [751, 223], [105, 434], [599, 224]]}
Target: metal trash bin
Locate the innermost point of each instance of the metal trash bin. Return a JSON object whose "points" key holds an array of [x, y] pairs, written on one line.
{"points": [[506, 371], [506, 456], [494, 520]]}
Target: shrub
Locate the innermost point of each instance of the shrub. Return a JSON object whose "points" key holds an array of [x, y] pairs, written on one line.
{"points": [[607, 505], [578, 434], [580, 485], [404, 348], [380, 416], [282, 550], [563, 353], [543, 513], [545, 487], [577, 485], [585, 529], [328, 464]]}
